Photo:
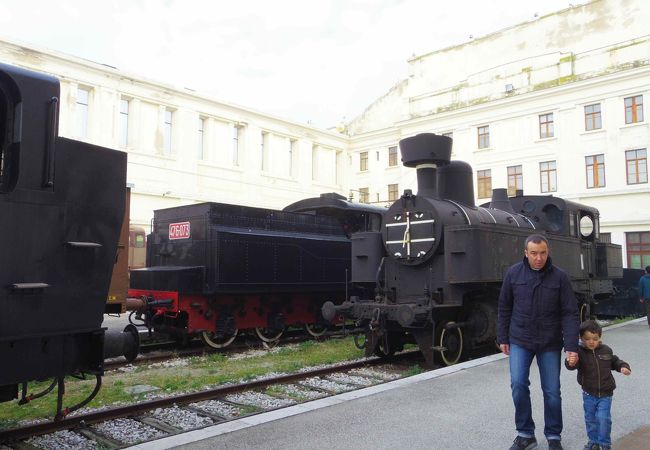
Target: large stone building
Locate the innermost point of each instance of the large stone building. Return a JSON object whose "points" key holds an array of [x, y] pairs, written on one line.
{"points": [[185, 147], [556, 105]]}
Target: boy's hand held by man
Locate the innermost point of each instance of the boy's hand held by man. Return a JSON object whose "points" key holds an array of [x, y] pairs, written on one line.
{"points": [[572, 358]]}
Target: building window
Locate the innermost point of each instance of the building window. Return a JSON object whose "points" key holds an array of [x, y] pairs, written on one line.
{"points": [[606, 238], [638, 249], [363, 161], [595, 171], [392, 156], [593, 120], [548, 176], [264, 151], [199, 139], [634, 109], [515, 180], [546, 126], [82, 112], [636, 166], [167, 133], [236, 141], [484, 136], [124, 122], [484, 183], [364, 195], [392, 192]]}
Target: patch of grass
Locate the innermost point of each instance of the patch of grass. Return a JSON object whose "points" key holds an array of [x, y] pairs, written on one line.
{"points": [[211, 370], [213, 357], [175, 383], [622, 319], [415, 370], [248, 409], [278, 391], [307, 345]]}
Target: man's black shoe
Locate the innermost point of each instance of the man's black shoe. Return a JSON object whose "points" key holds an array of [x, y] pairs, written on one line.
{"points": [[554, 444], [523, 443]]}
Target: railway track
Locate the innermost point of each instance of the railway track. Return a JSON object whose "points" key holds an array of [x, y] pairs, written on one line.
{"points": [[124, 426]]}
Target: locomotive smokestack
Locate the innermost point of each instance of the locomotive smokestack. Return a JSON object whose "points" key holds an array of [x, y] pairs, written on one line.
{"points": [[426, 152], [500, 200]]}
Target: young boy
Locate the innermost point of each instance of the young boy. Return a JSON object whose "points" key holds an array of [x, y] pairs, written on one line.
{"points": [[595, 363]]}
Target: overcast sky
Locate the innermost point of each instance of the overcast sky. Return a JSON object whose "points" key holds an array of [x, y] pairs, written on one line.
{"points": [[311, 61]]}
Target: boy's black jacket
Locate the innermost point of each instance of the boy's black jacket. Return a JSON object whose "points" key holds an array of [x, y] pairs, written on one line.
{"points": [[595, 370]]}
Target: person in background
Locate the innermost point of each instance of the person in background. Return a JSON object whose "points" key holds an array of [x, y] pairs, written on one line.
{"points": [[537, 316], [595, 363], [644, 292]]}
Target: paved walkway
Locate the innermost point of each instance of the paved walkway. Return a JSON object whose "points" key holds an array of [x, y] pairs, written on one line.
{"points": [[467, 406]]}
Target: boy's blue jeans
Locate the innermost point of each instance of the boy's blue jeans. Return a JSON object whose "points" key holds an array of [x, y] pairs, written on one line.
{"points": [[598, 418], [549, 374]]}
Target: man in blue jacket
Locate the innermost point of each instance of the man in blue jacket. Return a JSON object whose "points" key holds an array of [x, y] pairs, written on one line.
{"points": [[644, 292], [538, 315]]}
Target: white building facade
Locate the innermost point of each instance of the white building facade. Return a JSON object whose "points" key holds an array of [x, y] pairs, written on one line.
{"points": [[554, 106], [557, 105], [184, 147]]}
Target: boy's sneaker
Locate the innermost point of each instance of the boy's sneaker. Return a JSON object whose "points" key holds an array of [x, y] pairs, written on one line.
{"points": [[524, 443], [555, 444]]}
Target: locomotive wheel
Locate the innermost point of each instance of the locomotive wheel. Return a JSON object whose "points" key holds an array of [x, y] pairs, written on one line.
{"points": [[315, 330], [451, 341], [268, 334], [482, 317], [212, 340]]}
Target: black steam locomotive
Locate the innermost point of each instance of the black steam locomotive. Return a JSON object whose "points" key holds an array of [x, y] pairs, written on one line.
{"points": [[215, 270], [438, 262], [61, 208]]}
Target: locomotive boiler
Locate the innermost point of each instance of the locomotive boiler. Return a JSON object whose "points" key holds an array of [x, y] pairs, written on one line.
{"points": [[215, 270], [438, 261], [61, 207]]}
